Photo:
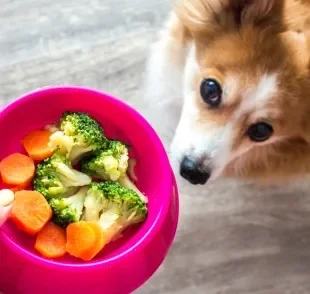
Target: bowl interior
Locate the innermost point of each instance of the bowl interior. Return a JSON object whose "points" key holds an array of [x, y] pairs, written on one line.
{"points": [[119, 121]]}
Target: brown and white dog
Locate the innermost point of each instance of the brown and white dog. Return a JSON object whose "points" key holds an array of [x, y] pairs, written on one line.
{"points": [[229, 79]]}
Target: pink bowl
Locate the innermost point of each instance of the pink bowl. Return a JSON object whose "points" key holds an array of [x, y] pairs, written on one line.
{"points": [[124, 265]]}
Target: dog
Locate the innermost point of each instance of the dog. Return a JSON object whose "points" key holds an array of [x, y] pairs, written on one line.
{"points": [[228, 83]]}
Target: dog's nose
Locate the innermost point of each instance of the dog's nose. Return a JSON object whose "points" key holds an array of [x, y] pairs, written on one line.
{"points": [[193, 172]]}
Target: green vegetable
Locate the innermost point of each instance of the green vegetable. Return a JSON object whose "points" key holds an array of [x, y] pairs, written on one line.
{"points": [[79, 135], [68, 210], [126, 182], [114, 207], [109, 164], [55, 177]]}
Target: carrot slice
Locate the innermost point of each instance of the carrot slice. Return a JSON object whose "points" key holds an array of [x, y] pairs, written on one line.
{"points": [[36, 144], [51, 241], [80, 237], [18, 188], [84, 240], [26, 186], [101, 241], [17, 170], [30, 211]]}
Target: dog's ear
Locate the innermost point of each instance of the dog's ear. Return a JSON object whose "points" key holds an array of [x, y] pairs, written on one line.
{"points": [[210, 17]]}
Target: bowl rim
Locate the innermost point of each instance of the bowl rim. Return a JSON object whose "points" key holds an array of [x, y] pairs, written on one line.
{"points": [[167, 186]]}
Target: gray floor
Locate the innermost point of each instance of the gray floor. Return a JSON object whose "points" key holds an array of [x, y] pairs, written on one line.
{"points": [[235, 240]]}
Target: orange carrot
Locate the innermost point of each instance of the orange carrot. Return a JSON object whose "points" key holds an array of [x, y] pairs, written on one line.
{"points": [[51, 241], [36, 144], [17, 169], [18, 188], [14, 188], [84, 240], [101, 240], [30, 211]]}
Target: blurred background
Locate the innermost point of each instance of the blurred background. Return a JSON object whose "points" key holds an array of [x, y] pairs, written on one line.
{"points": [[232, 238], [95, 43]]}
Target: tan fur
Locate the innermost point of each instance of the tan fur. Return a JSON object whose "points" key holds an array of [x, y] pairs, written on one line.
{"points": [[244, 40]]}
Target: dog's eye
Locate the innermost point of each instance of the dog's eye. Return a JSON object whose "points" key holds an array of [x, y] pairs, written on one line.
{"points": [[211, 92], [260, 132]]}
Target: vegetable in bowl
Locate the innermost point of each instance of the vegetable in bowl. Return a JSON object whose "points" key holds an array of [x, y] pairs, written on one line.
{"points": [[68, 210], [118, 207], [55, 177], [112, 208], [78, 135], [87, 207], [109, 164]]}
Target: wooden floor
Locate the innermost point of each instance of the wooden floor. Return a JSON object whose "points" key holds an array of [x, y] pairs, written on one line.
{"points": [[232, 239]]}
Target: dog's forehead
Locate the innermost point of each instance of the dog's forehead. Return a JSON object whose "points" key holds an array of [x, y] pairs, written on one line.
{"points": [[248, 51], [250, 94]]}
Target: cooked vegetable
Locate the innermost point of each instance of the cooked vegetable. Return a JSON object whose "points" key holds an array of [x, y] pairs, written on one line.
{"points": [[68, 210], [30, 211], [36, 144], [17, 169], [93, 203], [126, 182], [17, 188], [51, 241], [114, 207], [26, 186], [79, 135], [109, 164], [84, 240], [55, 177]]}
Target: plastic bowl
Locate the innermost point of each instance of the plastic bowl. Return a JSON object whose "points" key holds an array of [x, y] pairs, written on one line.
{"points": [[124, 265]]}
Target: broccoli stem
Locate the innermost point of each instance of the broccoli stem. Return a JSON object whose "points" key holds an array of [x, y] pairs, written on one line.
{"points": [[126, 182]]}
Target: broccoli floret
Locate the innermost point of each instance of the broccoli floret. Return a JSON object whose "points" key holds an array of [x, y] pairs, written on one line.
{"points": [[68, 210], [114, 207], [126, 182], [79, 135], [109, 164], [56, 178], [93, 203]]}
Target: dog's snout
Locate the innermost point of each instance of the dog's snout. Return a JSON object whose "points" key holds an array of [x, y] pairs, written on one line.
{"points": [[192, 171]]}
